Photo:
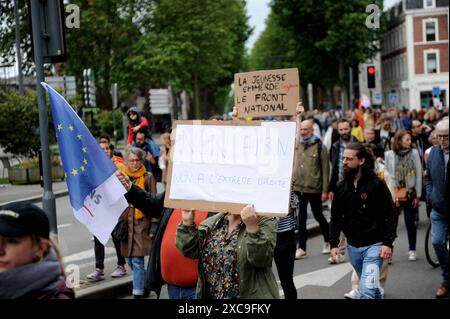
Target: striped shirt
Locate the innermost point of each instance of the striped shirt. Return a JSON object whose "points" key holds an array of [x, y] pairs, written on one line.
{"points": [[286, 223]]}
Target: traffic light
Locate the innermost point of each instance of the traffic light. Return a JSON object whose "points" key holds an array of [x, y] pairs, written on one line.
{"points": [[371, 77], [51, 18]]}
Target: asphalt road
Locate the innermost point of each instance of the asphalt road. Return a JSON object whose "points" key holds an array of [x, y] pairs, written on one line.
{"points": [[315, 278]]}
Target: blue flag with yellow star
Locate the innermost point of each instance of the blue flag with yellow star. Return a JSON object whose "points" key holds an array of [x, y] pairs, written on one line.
{"points": [[96, 195]]}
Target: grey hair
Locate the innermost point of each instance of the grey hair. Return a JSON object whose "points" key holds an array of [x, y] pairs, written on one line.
{"points": [[432, 134], [138, 152], [443, 124]]}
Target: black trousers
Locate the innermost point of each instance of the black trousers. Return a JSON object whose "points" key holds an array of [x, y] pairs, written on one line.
{"points": [[99, 251], [316, 206], [284, 256]]}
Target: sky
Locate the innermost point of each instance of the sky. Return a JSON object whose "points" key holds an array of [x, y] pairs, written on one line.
{"points": [[258, 10]]}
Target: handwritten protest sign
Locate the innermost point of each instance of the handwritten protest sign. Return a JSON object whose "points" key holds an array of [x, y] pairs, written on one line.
{"points": [[223, 166], [266, 93]]}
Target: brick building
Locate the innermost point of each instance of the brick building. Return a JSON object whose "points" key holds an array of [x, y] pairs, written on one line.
{"points": [[414, 54]]}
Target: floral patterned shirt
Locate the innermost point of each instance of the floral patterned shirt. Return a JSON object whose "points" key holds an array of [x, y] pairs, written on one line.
{"points": [[219, 260]]}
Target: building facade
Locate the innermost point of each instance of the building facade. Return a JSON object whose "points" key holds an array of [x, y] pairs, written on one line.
{"points": [[414, 54]]}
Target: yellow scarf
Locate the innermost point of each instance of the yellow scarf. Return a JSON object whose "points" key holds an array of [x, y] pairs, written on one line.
{"points": [[139, 181]]}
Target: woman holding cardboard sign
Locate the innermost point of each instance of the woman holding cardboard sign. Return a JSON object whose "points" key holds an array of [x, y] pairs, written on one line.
{"points": [[284, 252], [235, 253]]}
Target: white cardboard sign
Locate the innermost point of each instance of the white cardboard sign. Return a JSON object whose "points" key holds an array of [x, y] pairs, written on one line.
{"points": [[216, 166]]}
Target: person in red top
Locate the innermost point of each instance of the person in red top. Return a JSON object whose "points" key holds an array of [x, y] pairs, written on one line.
{"points": [[136, 122], [166, 264], [179, 273]]}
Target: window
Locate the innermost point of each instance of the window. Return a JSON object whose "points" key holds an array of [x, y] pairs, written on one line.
{"points": [[430, 31], [431, 62], [429, 4]]}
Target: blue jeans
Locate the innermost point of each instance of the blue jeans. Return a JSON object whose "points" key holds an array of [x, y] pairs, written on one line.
{"points": [[439, 238], [367, 262], [137, 265], [176, 292]]}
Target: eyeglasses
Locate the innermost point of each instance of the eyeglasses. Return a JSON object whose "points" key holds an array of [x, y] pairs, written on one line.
{"points": [[442, 136]]}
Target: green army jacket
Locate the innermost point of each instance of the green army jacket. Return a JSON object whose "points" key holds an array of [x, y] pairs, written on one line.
{"points": [[255, 255]]}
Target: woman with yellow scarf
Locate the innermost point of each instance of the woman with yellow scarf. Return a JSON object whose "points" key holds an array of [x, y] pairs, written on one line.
{"points": [[138, 243]]}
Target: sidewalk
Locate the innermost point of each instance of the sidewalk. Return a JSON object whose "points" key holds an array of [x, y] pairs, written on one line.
{"points": [[105, 289]]}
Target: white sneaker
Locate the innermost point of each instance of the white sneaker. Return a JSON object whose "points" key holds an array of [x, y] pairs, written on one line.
{"points": [[326, 248], [381, 292], [300, 253], [352, 294], [412, 255], [341, 259]]}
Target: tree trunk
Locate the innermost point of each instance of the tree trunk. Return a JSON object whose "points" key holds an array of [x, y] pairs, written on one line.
{"points": [[344, 86], [332, 97], [196, 98]]}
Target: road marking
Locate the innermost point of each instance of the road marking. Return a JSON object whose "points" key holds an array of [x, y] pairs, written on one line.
{"points": [[86, 254], [325, 277], [64, 225], [92, 263]]}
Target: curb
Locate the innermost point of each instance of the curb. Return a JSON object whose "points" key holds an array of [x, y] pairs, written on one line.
{"points": [[108, 290], [38, 198]]}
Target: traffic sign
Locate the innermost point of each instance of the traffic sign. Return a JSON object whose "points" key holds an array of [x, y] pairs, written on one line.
{"points": [[392, 98], [377, 98], [66, 83], [160, 101], [436, 91]]}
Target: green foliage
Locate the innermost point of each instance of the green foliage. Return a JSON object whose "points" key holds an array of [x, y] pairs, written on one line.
{"points": [[322, 38], [34, 162], [196, 45], [107, 31], [19, 123], [106, 123], [8, 36], [274, 49]]}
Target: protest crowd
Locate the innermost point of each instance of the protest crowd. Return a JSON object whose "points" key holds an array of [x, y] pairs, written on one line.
{"points": [[368, 166]]}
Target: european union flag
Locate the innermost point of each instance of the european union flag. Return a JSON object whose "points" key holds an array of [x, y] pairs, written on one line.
{"points": [[87, 168]]}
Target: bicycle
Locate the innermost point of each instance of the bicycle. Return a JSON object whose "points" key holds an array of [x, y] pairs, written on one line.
{"points": [[429, 249]]}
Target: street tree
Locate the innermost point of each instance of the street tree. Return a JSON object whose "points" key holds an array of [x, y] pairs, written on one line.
{"points": [[331, 36], [195, 45]]}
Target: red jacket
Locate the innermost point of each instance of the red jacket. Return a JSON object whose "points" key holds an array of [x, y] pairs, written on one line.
{"points": [[143, 125]]}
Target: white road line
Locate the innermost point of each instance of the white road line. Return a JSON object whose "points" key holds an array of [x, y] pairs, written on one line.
{"points": [[64, 225], [86, 254], [325, 277]]}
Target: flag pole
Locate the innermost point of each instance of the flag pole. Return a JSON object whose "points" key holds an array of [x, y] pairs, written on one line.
{"points": [[48, 199]]}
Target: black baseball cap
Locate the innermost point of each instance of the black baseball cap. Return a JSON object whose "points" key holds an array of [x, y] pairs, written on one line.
{"points": [[23, 218]]}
